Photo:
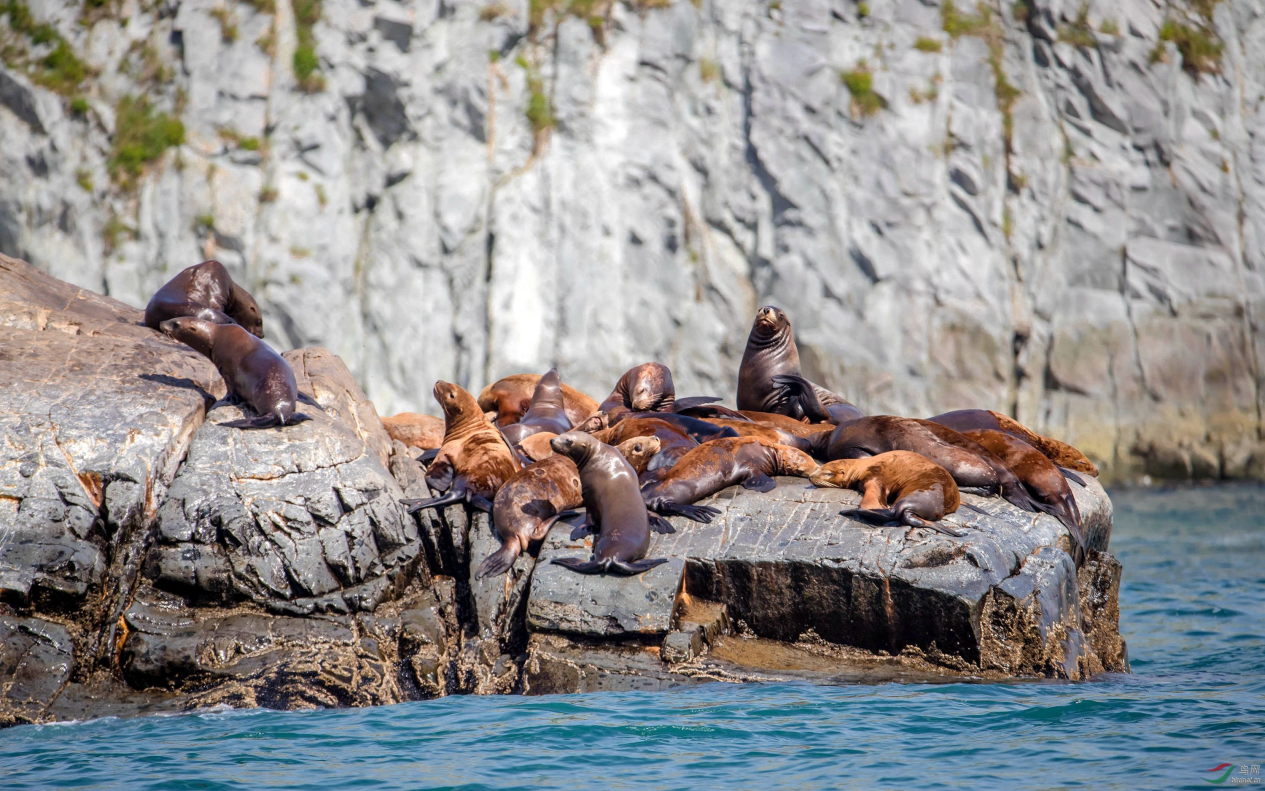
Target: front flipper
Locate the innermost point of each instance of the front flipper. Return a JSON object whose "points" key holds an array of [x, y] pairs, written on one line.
{"points": [[698, 513], [310, 401], [440, 475], [800, 389], [297, 417], [428, 455], [759, 482], [660, 525], [451, 498], [480, 502], [583, 529], [913, 520], [259, 421], [1071, 476]]}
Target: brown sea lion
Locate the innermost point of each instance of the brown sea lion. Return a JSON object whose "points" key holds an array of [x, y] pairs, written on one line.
{"points": [[536, 447], [527, 506], [474, 461], [1045, 482], [769, 377], [638, 450], [613, 507], [546, 412], [674, 441], [789, 424], [714, 465], [510, 398], [896, 487], [769, 434], [965, 460], [205, 291], [415, 430], [254, 373], [1060, 453], [643, 388]]}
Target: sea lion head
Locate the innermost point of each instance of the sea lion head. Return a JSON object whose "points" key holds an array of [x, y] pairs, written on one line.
{"points": [[833, 475], [649, 387], [575, 445], [639, 451], [458, 405], [594, 422], [769, 321], [197, 333], [245, 311]]}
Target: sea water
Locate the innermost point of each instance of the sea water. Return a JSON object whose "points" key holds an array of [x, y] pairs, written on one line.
{"points": [[1192, 607]]}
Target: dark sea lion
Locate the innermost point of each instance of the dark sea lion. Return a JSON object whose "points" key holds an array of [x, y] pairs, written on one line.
{"points": [[545, 413], [773, 436], [769, 377], [968, 462], [700, 430], [644, 388], [254, 373], [1044, 480], [474, 461], [714, 465], [702, 407], [415, 430], [1060, 453], [897, 487], [205, 291], [527, 506], [638, 450], [674, 441], [613, 505], [510, 398]]}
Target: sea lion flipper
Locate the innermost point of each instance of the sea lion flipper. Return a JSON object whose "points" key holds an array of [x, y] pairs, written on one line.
{"points": [[499, 561], [635, 567], [760, 483], [259, 421], [660, 525], [581, 566], [297, 417], [440, 475], [581, 530], [428, 455], [415, 505], [543, 529], [310, 401], [800, 389], [682, 404], [697, 513], [1071, 476], [480, 502], [913, 520], [975, 508]]}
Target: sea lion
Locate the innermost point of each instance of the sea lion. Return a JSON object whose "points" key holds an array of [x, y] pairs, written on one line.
{"points": [[1045, 482], [643, 388], [253, 372], [510, 397], [965, 460], [545, 413], [536, 447], [896, 487], [769, 377], [613, 507], [714, 465], [772, 436], [205, 291], [474, 461], [674, 441], [527, 506], [638, 450], [1060, 453], [415, 430], [788, 424]]}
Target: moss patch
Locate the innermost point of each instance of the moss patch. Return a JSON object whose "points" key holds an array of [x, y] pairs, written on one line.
{"points": [[860, 83], [927, 44], [306, 64], [140, 138], [1199, 46], [40, 52]]}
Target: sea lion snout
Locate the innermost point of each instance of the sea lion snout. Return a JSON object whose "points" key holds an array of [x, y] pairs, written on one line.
{"points": [[824, 477], [769, 316]]}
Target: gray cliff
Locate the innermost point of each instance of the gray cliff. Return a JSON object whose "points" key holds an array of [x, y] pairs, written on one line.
{"points": [[1052, 209]]}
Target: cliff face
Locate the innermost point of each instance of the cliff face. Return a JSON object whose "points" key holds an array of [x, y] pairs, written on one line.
{"points": [[1045, 208]]}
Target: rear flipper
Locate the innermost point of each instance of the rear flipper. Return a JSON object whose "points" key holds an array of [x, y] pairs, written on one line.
{"points": [[682, 404], [480, 502], [451, 498], [1071, 476], [759, 482], [1069, 516], [310, 401], [975, 508], [802, 390], [1017, 495], [499, 561], [913, 520], [660, 525], [609, 566], [297, 417], [259, 421], [698, 513]]}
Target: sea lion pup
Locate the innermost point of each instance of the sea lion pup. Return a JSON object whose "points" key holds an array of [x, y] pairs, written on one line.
{"points": [[254, 373], [968, 462], [205, 291], [723, 462], [1060, 453], [510, 397], [674, 441], [545, 413], [769, 377], [527, 506], [415, 430], [896, 487], [770, 435], [1045, 482], [643, 388], [474, 461], [613, 506]]}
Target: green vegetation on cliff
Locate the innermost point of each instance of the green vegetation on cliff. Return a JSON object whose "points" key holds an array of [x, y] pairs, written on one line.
{"points": [[140, 138]]}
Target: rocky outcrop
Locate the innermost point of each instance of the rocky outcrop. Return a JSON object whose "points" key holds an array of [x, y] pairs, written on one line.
{"points": [[152, 559], [1043, 208]]}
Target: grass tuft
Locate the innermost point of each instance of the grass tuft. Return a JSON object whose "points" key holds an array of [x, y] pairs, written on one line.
{"points": [[860, 83], [140, 138], [927, 44]]}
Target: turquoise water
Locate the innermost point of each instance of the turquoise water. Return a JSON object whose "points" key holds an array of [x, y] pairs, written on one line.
{"points": [[1192, 610]]}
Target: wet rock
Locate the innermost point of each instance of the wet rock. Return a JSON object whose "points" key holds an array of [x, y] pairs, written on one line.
{"points": [[36, 660]]}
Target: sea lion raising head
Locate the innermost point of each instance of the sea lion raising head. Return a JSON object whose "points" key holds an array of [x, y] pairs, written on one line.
{"points": [[545, 413], [254, 373], [770, 380], [645, 388], [205, 291]]}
